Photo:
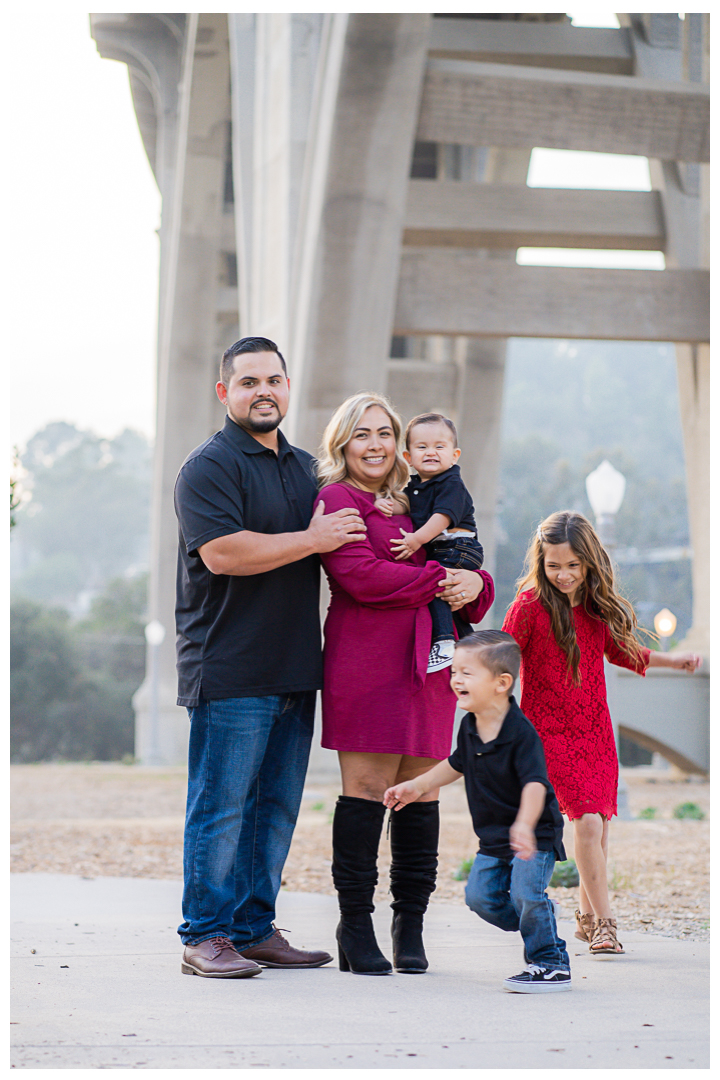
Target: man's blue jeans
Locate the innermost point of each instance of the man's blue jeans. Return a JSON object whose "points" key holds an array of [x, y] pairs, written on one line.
{"points": [[510, 893], [247, 763]]}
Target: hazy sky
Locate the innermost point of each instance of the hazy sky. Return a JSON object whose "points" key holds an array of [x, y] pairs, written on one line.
{"points": [[85, 207], [84, 252]]}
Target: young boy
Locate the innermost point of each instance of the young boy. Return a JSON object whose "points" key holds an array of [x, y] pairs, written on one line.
{"points": [[443, 517], [513, 807]]}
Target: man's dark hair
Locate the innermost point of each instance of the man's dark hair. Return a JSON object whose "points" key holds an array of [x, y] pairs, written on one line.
{"points": [[499, 652], [431, 418], [246, 345]]}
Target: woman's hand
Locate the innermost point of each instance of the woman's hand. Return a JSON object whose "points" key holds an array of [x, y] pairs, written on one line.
{"points": [[461, 587]]}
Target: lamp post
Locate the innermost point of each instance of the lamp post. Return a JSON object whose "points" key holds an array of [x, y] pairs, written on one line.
{"points": [[664, 623], [154, 635], [605, 488]]}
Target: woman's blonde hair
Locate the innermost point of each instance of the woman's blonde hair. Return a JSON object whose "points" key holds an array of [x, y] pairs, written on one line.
{"points": [[599, 594], [331, 466]]}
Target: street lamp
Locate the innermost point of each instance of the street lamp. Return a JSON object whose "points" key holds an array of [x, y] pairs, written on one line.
{"points": [[665, 623], [154, 635], [605, 488]]}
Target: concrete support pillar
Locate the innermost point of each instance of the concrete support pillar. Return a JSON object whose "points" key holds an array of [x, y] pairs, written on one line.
{"points": [[480, 392], [191, 284], [274, 65], [479, 417], [352, 211], [667, 48], [693, 368]]}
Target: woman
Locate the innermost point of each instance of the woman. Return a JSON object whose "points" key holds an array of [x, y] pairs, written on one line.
{"points": [[388, 719]]}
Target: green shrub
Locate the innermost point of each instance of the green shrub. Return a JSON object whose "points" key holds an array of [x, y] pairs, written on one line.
{"points": [[688, 810], [463, 871], [648, 814], [565, 874]]}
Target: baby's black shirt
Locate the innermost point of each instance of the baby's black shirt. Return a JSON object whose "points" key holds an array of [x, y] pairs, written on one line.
{"points": [[495, 774], [442, 494]]}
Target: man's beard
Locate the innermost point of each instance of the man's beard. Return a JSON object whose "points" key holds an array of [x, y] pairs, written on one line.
{"points": [[258, 424]]}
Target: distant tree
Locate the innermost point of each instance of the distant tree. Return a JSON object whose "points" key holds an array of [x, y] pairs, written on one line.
{"points": [[71, 692], [14, 486], [121, 608], [43, 674], [112, 636], [88, 517], [567, 406]]}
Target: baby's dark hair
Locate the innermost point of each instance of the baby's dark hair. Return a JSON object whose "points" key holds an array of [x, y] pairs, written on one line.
{"points": [[499, 652], [431, 418]]}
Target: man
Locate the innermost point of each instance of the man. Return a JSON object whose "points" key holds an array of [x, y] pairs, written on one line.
{"points": [[249, 663]]}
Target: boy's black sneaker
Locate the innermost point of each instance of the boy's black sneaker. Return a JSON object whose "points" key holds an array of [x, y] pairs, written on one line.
{"points": [[538, 980]]}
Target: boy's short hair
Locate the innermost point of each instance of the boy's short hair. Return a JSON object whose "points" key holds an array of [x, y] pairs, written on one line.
{"points": [[499, 652], [431, 418]]}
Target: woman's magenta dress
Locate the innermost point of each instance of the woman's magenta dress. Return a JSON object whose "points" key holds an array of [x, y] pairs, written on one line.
{"points": [[377, 697], [573, 722]]}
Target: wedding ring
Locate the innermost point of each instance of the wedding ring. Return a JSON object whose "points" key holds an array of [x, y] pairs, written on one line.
{"points": [[462, 595]]}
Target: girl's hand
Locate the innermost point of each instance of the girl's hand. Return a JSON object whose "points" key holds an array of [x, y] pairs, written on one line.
{"points": [[461, 587], [522, 840], [405, 547], [685, 661], [385, 505], [401, 795]]}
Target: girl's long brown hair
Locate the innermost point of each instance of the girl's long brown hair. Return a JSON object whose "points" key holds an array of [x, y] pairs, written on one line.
{"points": [[599, 594]]}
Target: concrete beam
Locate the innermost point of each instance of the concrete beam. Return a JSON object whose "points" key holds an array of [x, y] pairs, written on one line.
{"points": [[462, 292], [454, 214], [512, 106], [547, 44]]}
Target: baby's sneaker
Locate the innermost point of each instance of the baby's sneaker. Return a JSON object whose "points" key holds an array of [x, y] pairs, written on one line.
{"points": [[441, 655], [538, 980]]}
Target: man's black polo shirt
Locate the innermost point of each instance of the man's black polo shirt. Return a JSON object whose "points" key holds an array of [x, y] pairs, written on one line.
{"points": [[495, 774], [442, 494], [248, 636]]}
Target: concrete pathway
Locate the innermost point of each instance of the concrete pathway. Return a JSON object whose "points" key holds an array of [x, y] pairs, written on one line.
{"points": [[97, 984]]}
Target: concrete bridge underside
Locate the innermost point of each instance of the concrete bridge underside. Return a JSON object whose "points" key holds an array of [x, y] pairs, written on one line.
{"points": [[340, 181]]}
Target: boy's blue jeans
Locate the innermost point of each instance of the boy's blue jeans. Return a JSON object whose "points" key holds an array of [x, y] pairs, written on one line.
{"points": [[247, 763], [510, 893]]}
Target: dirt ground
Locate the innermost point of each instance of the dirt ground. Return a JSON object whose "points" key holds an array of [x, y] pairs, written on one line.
{"points": [[126, 820]]}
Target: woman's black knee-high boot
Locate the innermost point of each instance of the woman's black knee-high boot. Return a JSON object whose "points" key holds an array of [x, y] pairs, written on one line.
{"points": [[414, 833], [357, 825]]}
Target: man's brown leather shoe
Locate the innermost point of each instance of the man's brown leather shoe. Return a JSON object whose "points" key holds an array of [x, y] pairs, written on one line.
{"points": [[217, 958], [277, 952]]}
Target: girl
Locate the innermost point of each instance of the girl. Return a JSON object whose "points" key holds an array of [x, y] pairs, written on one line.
{"points": [[567, 615]]}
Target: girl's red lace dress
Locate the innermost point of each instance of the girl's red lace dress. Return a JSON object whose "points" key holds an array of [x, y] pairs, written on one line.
{"points": [[573, 721]]}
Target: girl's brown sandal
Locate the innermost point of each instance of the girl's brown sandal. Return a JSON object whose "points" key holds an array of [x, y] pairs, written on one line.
{"points": [[604, 940], [585, 926]]}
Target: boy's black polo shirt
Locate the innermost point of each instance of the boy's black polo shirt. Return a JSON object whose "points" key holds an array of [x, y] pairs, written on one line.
{"points": [[248, 636], [442, 494], [495, 774]]}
